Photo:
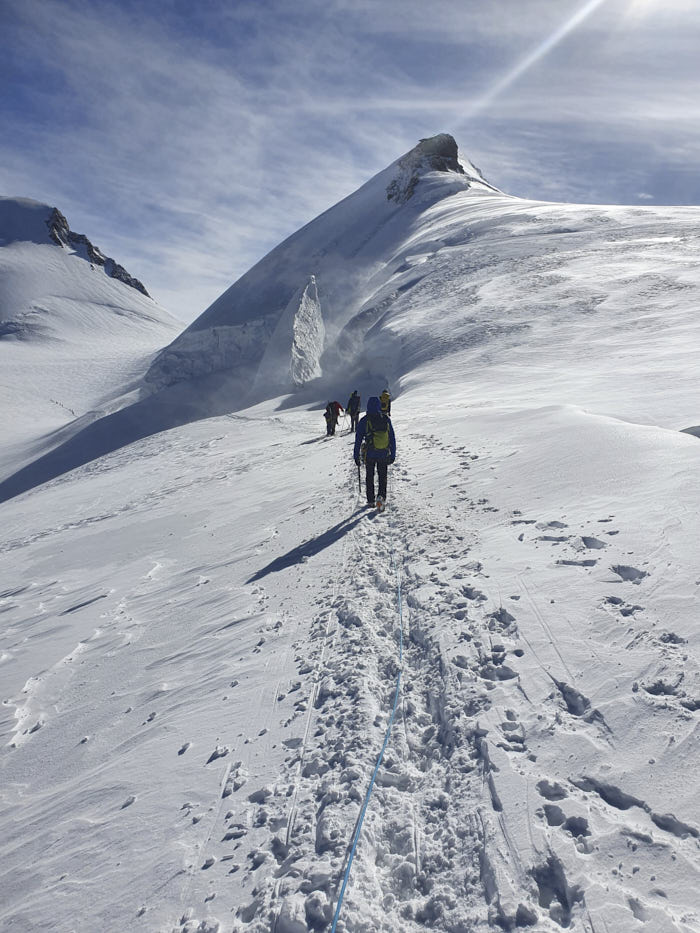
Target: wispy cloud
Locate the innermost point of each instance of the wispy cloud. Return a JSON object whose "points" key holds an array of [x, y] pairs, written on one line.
{"points": [[189, 140]]}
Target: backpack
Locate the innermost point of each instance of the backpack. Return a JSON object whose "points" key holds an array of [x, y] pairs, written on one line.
{"points": [[377, 432]]}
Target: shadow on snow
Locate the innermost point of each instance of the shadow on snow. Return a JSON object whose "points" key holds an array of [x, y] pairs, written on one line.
{"points": [[310, 548]]}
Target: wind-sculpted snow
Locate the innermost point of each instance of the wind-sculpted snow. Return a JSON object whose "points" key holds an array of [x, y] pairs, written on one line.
{"points": [[458, 280], [460, 274], [199, 626], [293, 351], [200, 647]]}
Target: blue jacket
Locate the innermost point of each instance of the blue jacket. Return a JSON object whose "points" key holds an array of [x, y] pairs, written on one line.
{"points": [[374, 407]]}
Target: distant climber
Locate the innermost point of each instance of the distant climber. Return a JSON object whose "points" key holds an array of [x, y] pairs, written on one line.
{"points": [[385, 400], [375, 431], [353, 409], [331, 414]]}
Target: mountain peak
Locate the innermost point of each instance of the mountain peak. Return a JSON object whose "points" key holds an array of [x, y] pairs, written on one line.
{"points": [[26, 220], [433, 154], [439, 153], [63, 236]]}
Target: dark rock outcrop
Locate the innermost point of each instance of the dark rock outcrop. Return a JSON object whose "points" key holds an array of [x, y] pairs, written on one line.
{"points": [[62, 235], [435, 154]]}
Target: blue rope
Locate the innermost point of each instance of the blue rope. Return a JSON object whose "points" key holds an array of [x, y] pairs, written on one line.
{"points": [[358, 828]]}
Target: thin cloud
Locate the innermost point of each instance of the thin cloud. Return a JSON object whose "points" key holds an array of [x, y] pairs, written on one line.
{"points": [[189, 147]]}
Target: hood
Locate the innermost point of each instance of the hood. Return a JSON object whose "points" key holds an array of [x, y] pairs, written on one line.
{"points": [[373, 405]]}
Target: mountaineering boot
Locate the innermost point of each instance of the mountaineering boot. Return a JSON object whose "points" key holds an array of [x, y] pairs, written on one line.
{"points": [[380, 504]]}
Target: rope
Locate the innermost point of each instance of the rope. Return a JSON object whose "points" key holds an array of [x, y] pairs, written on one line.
{"points": [[360, 821]]}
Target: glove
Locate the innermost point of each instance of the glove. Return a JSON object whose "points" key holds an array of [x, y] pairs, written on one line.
{"points": [[357, 461], [391, 460]]}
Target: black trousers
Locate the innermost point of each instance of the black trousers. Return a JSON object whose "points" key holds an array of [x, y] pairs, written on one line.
{"points": [[354, 418], [382, 469]]}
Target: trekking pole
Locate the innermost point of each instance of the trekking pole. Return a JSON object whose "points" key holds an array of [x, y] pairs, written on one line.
{"points": [[359, 479]]}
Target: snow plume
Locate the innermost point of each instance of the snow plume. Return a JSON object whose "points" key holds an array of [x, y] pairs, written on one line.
{"points": [[372, 291]]}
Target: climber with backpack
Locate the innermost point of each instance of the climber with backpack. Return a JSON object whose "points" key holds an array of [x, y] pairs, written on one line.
{"points": [[385, 401], [331, 414], [353, 409], [376, 434]]}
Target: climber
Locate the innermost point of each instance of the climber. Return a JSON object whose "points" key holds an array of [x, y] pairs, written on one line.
{"points": [[376, 432], [353, 409]]}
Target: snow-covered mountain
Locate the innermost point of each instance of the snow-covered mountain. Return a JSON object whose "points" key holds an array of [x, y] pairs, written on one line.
{"points": [[281, 324], [202, 629], [427, 262], [75, 327]]}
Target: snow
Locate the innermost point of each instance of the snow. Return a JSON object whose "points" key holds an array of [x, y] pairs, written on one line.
{"points": [[71, 337], [200, 635], [342, 250]]}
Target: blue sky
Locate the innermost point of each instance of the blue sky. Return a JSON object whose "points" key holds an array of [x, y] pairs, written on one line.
{"points": [[187, 139]]}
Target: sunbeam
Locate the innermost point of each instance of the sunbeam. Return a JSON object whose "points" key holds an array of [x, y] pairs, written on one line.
{"points": [[532, 58]]}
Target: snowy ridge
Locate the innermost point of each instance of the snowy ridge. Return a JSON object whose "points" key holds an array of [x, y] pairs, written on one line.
{"points": [[436, 154], [199, 638], [461, 273], [342, 250], [62, 235], [22, 219], [72, 338]]}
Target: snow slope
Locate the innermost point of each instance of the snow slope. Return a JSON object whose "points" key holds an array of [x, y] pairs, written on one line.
{"points": [[201, 629], [250, 332], [427, 263], [454, 270], [69, 318], [200, 647]]}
